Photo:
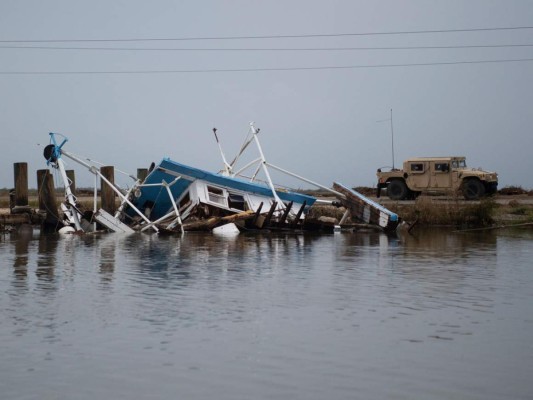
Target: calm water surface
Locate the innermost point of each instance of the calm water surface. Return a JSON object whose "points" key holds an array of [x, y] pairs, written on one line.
{"points": [[436, 315]]}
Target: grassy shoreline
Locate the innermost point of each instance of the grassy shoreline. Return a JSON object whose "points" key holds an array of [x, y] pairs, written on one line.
{"points": [[501, 209]]}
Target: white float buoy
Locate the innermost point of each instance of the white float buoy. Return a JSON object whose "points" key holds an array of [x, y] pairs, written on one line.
{"points": [[227, 229], [66, 230]]}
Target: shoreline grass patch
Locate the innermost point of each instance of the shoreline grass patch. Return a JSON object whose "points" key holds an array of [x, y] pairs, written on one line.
{"points": [[432, 211]]}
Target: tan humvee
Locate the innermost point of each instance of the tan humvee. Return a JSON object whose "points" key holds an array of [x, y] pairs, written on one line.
{"points": [[445, 175]]}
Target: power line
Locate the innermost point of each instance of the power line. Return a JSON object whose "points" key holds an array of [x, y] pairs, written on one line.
{"points": [[313, 35], [270, 48], [260, 69]]}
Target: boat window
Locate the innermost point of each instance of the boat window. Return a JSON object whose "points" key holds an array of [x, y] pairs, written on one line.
{"points": [[417, 167], [237, 202], [216, 195]]}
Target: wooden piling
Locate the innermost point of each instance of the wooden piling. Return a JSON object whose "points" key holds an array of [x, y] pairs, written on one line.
{"points": [[106, 193], [257, 215], [365, 210], [266, 222], [72, 178], [41, 182], [21, 184], [298, 215], [47, 197], [281, 222]]}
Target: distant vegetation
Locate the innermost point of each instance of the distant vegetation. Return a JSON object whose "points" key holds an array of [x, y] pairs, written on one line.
{"points": [[514, 190]]}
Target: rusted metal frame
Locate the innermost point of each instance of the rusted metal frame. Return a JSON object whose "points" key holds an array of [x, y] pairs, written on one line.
{"points": [[257, 160], [70, 198], [96, 171], [338, 194], [264, 164], [153, 223], [174, 205], [256, 172], [243, 147], [128, 194], [227, 167]]}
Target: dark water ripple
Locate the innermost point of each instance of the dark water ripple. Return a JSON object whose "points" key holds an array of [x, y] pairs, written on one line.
{"points": [[436, 315]]}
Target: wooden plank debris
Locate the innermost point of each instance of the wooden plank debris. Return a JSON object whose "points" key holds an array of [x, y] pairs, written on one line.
{"points": [[366, 210]]}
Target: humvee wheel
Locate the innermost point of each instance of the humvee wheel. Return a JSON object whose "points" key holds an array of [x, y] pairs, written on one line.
{"points": [[397, 190], [473, 189]]}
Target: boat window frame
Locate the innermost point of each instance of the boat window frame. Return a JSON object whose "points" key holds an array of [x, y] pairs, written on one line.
{"points": [[217, 195], [246, 206]]}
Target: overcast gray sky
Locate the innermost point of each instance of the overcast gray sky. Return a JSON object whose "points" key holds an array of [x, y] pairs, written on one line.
{"points": [[319, 123]]}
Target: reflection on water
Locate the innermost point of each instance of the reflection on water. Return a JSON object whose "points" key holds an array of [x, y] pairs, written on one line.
{"points": [[433, 315]]}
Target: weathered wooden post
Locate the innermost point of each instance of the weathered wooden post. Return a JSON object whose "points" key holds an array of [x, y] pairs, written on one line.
{"points": [[106, 193], [21, 184], [142, 173], [72, 178], [47, 198]]}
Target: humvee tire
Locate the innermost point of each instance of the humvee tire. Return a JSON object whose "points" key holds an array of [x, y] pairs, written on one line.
{"points": [[397, 189], [473, 189]]}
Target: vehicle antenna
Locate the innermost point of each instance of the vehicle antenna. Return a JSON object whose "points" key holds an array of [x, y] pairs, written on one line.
{"points": [[392, 137], [391, 133]]}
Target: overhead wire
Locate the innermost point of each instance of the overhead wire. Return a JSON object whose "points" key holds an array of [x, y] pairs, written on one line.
{"points": [[131, 72], [285, 49], [312, 35], [481, 46]]}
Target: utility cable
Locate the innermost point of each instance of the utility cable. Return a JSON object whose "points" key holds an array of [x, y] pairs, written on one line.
{"points": [[185, 71], [313, 35], [269, 48]]}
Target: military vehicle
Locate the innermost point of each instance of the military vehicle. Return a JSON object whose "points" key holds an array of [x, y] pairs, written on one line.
{"points": [[436, 175]]}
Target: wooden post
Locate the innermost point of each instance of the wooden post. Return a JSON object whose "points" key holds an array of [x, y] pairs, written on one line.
{"points": [[266, 222], [285, 214], [106, 193], [21, 183], [41, 181], [47, 197], [257, 214], [300, 212], [142, 173], [72, 178], [366, 210]]}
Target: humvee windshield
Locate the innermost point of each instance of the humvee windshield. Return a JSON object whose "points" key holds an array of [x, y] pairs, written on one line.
{"points": [[458, 164]]}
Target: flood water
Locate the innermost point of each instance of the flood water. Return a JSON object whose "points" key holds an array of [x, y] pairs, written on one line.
{"points": [[435, 315]]}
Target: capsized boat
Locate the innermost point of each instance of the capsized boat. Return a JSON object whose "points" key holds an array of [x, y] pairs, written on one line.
{"points": [[199, 194], [177, 198]]}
